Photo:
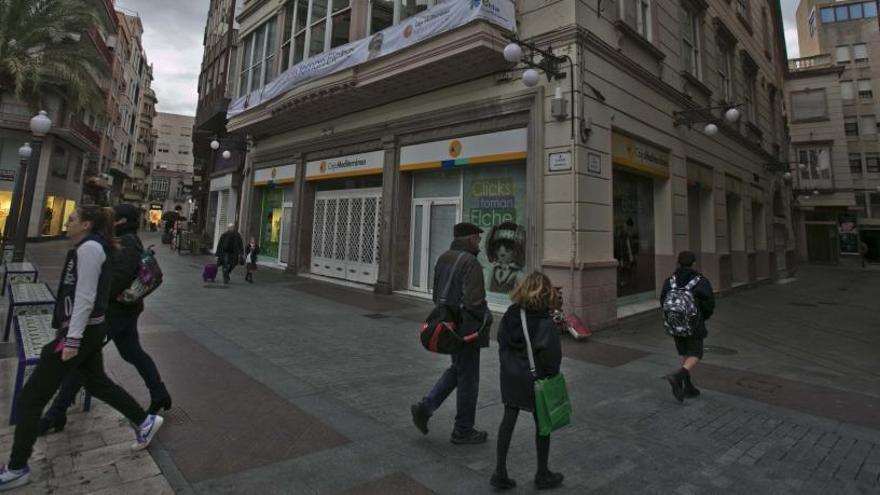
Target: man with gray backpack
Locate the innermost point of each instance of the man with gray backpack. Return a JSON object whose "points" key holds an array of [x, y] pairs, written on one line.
{"points": [[687, 302]]}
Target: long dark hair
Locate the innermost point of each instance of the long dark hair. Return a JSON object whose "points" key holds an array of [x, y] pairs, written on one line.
{"points": [[102, 220]]}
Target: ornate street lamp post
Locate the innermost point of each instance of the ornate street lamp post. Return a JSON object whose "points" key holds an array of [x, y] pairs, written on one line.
{"points": [[40, 125], [24, 153]]}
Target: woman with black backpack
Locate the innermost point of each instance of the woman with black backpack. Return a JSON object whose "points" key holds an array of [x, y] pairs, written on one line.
{"points": [[122, 320]]}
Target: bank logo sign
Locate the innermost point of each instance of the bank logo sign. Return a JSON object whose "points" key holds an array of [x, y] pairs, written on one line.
{"points": [[369, 163], [425, 25]]}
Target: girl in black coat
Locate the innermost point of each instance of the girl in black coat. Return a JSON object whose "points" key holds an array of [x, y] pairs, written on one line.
{"points": [[250, 256], [536, 295]]}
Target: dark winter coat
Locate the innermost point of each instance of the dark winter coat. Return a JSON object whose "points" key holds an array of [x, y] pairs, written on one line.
{"points": [[703, 295], [517, 383], [256, 252], [229, 248], [124, 268], [467, 289]]}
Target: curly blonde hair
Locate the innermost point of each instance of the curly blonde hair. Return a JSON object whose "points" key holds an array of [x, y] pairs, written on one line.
{"points": [[536, 292]]}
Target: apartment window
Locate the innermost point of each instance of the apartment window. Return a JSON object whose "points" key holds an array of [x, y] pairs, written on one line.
{"points": [[817, 161], [869, 9], [842, 54], [868, 124], [851, 126], [691, 40], [865, 90], [637, 14], [860, 204], [771, 96], [860, 52], [751, 95], [847, 90], [872, 163], [258, 58], [855, 163], [808, 105], [742, 8], [312, 27], [766, 28], [841, 13], [875, 205], [827, 15], [812, 24], [58, 163], [855, 11], [725, 71]]}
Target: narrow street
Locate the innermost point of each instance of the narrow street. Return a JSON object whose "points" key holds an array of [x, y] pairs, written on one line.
{"points": [[292, 385]]}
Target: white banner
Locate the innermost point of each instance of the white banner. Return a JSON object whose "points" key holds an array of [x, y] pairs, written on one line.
{"points": [[427, 24], [368, 163]]}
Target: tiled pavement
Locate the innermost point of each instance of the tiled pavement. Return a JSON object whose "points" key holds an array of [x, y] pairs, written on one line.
{"points": [[295, 386]]}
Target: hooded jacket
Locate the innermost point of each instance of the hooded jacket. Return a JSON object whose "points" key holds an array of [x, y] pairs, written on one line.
{"points": [[517, 382], [124, 268], [703, 296]]}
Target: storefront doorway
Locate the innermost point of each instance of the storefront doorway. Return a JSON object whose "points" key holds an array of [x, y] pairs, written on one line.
{"points": [[634, 234], [433, 220], [345, 235]]}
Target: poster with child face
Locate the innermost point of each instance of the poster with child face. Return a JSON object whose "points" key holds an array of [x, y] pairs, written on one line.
{"points": [[494, 199]]}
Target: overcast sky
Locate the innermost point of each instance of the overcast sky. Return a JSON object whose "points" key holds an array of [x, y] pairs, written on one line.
{"points": [[173, 33]]}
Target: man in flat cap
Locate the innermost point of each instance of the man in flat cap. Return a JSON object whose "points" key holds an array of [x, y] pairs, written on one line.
{"points": [[467, 292]]}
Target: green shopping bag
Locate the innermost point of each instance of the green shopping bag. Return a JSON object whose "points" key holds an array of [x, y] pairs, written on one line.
{"points": [[552, 406]]}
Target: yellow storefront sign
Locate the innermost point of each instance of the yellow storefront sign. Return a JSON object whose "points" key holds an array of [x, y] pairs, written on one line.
{"points": [[640, 156]]}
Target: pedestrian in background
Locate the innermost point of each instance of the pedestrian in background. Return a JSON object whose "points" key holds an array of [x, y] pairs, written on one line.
{"points": [[80, 321], [687, 291], [863, 253], [229, 251], [536, 295], [250, 258], [122, 329], [468, 293]]}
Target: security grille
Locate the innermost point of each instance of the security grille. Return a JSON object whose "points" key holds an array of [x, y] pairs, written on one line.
{"points": [[345, 234]]}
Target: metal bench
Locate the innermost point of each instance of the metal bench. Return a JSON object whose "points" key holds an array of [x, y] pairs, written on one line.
{"points": [[32, 333], [17, 273], [28, 299]]}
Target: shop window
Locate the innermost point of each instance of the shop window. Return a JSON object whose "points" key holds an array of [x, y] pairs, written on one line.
{"points": [[271, 222], [855, 163], [808, 105], [5, 204], [872, 163], [633, 197]]}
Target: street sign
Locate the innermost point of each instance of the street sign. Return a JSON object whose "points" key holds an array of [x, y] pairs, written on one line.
{"points": [[7, 175]]}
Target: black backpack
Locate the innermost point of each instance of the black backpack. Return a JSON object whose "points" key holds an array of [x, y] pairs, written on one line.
{"points": [[441, 330]]}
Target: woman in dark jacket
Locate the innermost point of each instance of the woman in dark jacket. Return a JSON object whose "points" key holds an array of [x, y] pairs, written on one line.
{"points": [[250, 259], [536, 295]]}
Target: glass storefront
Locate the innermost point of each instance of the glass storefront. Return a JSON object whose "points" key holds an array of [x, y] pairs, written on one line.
{"points": [[633, 233], [270, 220], [55, 214], [492, 197], [5, 205]]}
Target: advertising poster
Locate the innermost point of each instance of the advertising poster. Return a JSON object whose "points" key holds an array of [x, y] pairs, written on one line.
{"points": [[494, 198], [848, 234]]}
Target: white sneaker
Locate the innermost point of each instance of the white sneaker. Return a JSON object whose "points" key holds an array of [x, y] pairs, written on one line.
{"points": [[13, 478], [144, 434]]}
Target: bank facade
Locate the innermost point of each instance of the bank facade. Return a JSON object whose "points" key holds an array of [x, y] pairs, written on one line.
{"points": [[358, 174]]}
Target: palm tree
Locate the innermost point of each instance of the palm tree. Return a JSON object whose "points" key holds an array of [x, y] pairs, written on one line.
{"points": [[42, 52]]}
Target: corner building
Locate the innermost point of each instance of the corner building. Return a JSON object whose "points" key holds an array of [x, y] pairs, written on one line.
{"points": [[375, 126]]}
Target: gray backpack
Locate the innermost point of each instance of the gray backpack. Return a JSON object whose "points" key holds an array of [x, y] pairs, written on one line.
{"points": [[681, 316]]}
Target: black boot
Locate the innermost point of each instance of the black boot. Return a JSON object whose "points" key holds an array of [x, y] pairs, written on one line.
{"points": [[48, 425], [420, 415], [690, 391], [160, 399], [501, 481], [676, 381]]}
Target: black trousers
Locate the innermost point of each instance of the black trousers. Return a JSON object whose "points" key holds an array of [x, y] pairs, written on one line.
{"points": [[123, 332], [49, 374], [228, 262]]}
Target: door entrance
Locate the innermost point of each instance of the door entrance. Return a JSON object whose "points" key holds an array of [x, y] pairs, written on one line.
{"points": [[433, 220], [286, 213], [345, 236]]}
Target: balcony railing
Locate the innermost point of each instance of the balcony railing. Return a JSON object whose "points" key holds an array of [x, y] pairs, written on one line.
{"points": [[807, 63], [95, 36]]}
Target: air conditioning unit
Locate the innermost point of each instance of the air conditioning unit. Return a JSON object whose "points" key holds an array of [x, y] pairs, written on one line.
{"points": [[111, 41]]}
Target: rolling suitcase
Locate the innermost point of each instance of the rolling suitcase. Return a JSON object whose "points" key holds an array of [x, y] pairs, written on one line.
{"points": [[210, 272]]}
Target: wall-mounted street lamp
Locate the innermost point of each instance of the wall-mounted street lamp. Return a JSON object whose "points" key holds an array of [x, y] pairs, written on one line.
{"points": [[537, 59], [704, 116]]}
